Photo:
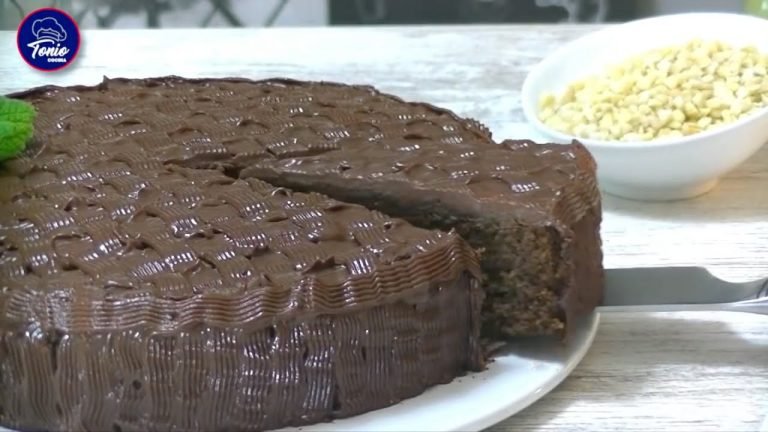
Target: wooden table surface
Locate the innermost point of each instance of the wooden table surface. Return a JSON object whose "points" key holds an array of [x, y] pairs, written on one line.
{"points": [[645, 372]]}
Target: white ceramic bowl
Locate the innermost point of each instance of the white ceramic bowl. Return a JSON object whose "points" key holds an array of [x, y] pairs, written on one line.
{"points": [[664, 169]]}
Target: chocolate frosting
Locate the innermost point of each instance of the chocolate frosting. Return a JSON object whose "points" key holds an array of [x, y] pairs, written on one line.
{"points": [[152, 279]]}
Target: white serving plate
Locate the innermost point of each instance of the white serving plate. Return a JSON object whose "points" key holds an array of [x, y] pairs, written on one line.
{"points": [[479, 400]]}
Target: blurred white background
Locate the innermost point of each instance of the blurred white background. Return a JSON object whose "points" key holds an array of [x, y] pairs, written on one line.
{"points": [[258, 13], [178, 13]]}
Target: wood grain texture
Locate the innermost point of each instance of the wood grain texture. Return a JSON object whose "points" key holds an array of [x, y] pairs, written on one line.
{"points": [[645, 372]]}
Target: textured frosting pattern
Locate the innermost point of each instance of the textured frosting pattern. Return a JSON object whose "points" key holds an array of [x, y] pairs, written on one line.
{"points": [[237, 379], [351, 132], [102, 223], [144, 226], [168, 248], [145, 287]]}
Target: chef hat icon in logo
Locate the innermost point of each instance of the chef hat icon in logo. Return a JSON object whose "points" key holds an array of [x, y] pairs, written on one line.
{"points": [[49, 28]]}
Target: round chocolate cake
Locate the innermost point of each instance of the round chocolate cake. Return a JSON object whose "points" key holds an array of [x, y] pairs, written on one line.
{"points": [[226, 254]]}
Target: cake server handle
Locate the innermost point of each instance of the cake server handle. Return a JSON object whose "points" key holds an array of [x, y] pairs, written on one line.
{"points": [[670, 289]]}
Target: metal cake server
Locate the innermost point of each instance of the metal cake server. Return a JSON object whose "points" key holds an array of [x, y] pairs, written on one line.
{"points": [[671, 289]]}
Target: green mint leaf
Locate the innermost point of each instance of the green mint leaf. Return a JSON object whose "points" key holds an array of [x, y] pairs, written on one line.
{"points": [[17, 124]]}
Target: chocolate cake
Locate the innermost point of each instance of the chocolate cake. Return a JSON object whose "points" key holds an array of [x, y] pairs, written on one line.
{"points": [[226, 254]]}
